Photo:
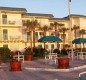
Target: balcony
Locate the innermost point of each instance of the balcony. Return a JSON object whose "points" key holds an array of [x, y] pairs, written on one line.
{"points": [[15, 38], [12, 23], [11, 38]]}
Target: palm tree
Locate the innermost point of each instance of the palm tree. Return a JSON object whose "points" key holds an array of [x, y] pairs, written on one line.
{"points": [[82, 33], [75, 28], [30, 27], [63, 30], [44, 28], [34, 24], [56, 26], [26, 25]]}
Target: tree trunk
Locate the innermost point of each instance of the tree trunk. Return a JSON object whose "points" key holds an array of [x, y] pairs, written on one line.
{"points": [[56, 35], [44, 45], [33, 38], [63, 40], [44, 35], [75, 38]]}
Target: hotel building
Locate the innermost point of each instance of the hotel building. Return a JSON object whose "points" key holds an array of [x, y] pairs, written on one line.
{"points": [[16, 34]]}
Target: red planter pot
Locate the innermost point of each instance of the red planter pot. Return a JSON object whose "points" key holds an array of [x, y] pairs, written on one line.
{"points": [[63, 63], [15, 65], [29, 57]]}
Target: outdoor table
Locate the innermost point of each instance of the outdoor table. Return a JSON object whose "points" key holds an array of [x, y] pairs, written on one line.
{"points": [[81, 55]]}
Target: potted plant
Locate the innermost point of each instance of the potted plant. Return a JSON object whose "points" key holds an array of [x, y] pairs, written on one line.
{"points": [[15, 65], [63, 62], [28, 54]]}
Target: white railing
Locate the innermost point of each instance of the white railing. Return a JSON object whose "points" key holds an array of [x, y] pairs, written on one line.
{"points": [[15, 38], [12, 22]]}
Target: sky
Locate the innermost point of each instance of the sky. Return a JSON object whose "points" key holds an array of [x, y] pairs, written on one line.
{"points": [[59, 8]]}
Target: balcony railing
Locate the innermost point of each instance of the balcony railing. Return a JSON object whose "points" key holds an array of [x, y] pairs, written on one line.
{"points": [[15, 22], [15, 38], [11, 22]]}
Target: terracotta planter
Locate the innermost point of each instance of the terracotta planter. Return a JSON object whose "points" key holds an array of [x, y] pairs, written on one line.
{"points": [[15, 65], [29, 57], [63, 63]]}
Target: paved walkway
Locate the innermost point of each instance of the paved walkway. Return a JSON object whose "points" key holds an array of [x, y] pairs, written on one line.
{"points": [[31, 74]]}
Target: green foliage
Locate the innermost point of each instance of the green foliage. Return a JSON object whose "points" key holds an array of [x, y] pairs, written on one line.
{"points": [[28, 52], [39, 52], [5, 54]]}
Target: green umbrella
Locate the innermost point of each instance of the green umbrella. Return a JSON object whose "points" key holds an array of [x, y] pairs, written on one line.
{"points": [[79, 40], [50, 39]]}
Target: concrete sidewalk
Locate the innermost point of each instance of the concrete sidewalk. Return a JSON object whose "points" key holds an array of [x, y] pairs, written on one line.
{"points": [[41, 64], [39, 73]]}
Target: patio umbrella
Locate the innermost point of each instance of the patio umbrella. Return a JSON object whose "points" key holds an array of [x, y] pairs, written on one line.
{"points": [[49, 39], [79, 41]]}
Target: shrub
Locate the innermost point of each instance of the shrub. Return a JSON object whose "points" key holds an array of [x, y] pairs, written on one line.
{"points": [[38, 52], [5, 54], [28, 52]]}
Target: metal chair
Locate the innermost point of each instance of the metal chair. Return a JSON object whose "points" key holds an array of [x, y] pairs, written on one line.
{"points": [[19, 57], [82, 76], [71, 54], [51, 58]]}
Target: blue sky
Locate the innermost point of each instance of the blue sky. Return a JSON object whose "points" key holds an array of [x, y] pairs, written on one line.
{"points": [[59, 8]]}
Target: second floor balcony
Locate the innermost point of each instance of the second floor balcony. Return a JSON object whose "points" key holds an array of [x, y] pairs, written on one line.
{"points": [[11, 23]]}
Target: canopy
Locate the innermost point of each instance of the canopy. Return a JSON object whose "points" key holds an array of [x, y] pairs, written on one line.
{"points": [[49, 39], [79, 40]]}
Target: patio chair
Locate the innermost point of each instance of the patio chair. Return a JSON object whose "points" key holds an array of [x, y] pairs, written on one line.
{"points": [[82, 76], [71, 54], [18, 56], [51, 58]]}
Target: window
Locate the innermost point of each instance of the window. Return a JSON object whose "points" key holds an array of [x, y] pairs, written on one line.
{"points": [[28, 36], [4, 19], [77, 33], [5, 34], [52, 46], [41, 34], [23, 22], [39, 46], [36, 36]]}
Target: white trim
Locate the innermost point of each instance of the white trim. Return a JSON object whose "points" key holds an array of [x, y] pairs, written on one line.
{"points": [[55, 70]]}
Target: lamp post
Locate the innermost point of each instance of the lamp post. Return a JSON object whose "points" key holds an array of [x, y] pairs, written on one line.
{"points": [[69, 20], [70, 27]]}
